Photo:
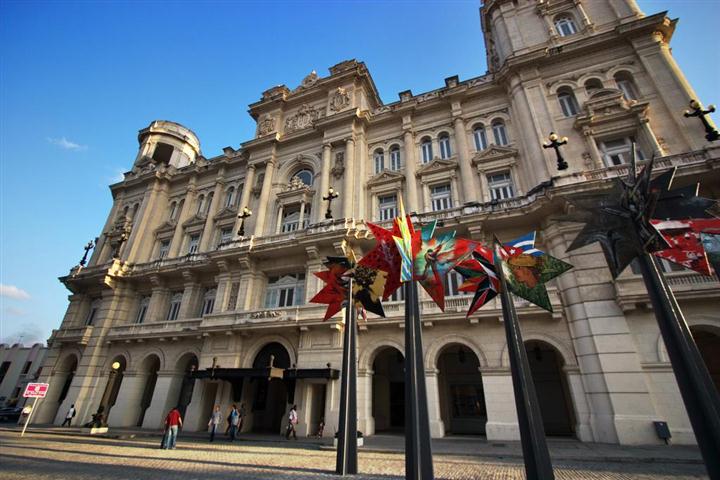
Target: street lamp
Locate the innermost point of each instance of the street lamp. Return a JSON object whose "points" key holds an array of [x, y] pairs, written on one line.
{"points": [[332, 194], [90, 245], [555, 144], [246, 212], [697, 111]]}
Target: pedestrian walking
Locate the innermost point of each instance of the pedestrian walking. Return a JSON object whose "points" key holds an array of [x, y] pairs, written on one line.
{"points": [[215, 419], [292, 421], [69, 416], [234, 420], [173, 421]]}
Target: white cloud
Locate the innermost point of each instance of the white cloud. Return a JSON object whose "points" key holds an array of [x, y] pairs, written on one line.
{"points": [[15, 312], [66, 144], [11, 291]]}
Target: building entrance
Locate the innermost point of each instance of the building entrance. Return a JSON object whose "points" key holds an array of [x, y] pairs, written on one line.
{"points": [[462, 399], [270, 396], [388, 406], [551, 386]]}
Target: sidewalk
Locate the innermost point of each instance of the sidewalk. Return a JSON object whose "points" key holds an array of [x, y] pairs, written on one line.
{"points": [[473, 446]]}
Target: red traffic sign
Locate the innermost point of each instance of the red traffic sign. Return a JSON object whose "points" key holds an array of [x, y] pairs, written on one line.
{"points": [[36, 390]]}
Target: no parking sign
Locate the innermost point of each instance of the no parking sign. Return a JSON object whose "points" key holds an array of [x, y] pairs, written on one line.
{"points": [[36, 390]]}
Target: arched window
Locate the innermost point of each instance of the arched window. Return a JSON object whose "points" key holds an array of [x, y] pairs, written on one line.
{"points": [[568, 104], [592, 85], [427, 150], [200, 204], [173, 210], [229, 197], [208, 302], [626, 85], [135, 209], [208, 203], [395, 158], [499, 132], [305, 175], [379, 157], [444, 141], [564, 25], [480, 137]]}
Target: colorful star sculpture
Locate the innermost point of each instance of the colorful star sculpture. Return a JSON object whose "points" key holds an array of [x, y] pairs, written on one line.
{"points": [[385, 256], [683, 236], [368, 286], [480, 277], [527, 269], [712, 248]]}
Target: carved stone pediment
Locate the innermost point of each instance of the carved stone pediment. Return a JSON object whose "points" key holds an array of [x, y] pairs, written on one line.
{"points": [[166, 227], [226, 212], [306, 116], [493, 153], [385, 177], [290, 195], [436, 165], [194, 220], [609, 105]]}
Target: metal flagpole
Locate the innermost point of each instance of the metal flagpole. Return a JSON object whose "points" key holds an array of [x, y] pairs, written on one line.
{"points": [[418, 452], [701, 398], [347, 433], [532, 433]]}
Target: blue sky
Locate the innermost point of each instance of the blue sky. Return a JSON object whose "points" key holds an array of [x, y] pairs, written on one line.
{"points": [[79, 79]]}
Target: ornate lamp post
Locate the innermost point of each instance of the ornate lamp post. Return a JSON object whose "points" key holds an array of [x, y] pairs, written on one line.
{"points": [[556, 142], [697, 111], [246, 212], [90, 245], [332, 194]]}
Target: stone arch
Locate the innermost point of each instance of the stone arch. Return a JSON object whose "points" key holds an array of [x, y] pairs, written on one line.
{"points": [[255, 348], [564, 84], [565, 351], [435, 349], [113, 356], [153, 351], [289, 167], [619, 69], [63, 359], [184, 359], [703, 325], [367, 356]]}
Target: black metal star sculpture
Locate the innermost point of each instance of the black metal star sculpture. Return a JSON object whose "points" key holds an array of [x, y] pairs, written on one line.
{"points": [[619, 219]]}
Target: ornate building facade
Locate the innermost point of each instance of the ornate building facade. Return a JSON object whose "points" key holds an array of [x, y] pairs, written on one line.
{"points": [[177, 308]]}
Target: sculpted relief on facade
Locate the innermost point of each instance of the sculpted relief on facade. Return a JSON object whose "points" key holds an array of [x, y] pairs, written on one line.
{"points": [[340, 100], [304, 118]]}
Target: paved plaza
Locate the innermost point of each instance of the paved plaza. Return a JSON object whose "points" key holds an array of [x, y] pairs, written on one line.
{"points": [[55, 455]]}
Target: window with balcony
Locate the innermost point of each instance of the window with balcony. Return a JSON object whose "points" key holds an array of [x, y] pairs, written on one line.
{"points": [[285, 291], [208, 301], [291, 218], [500, 185], [618, 151], [387, 206], [142, 309], [440, 196], [565, 25], [500, 132], [164, 249], [452, 283], [194, 243], [445, 150], [174, 310], [379, 157], [480, 137], [226, 235], [426, 149], [395, 163], [568, 103]]}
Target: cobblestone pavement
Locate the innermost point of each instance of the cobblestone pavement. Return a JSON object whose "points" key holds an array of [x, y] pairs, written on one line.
{"points": [[58, 457]]}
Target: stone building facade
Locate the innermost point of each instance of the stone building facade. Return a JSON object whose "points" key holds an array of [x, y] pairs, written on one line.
{"points": [[175, 307], [19, 365]]}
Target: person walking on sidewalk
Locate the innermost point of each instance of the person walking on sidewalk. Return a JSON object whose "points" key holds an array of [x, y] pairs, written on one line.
{"points": [[173, 421], [69, 416], [215, 419], [292, 421], [234, 420]]}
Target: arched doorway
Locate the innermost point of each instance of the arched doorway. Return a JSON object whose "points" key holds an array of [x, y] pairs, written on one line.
{"points": [[462, 399], [709, 345], [388, 391], [551, 386], [188, 363], [270, 396], [112, 387], [68, 368], [149, 369]]}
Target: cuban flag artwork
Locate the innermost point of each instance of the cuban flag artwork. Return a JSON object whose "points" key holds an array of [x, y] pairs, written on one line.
{"points": [[686, 246], [480, 277]]}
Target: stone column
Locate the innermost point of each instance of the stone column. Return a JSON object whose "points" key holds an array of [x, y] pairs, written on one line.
{"points": [[224, 285], [126, 411], [264, 197], [188, 207], [278, 224], [302, 215], [502, 422], [594, 151], [152, 209], [437, 428], [621, 406], [348, 180], [159, 298], [245, 197], [469, 185], [195, 418], [359, 194], [410, 163], [583, 430], [192, 296], [165, 396], [484, 186], [324, 180], [217, 200], [650, 135], [366, 422]]}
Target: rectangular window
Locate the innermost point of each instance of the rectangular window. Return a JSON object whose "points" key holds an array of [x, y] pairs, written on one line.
{"points": [[427, 152], [500, 185], [142, 310], [94, 306], [398, 295], [480, 139], [233, 296], [445, 150], [26, 368], [194, 244], [291, 219], [618, 151], [225, 235], [175, 302], [395, 159], [285, 291], [4, 369], [164, 249], [387, 207], [452, 283], [440, 196]]}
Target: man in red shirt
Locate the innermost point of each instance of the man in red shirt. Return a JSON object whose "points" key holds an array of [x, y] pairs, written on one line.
{"points": [[172, 422]]}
